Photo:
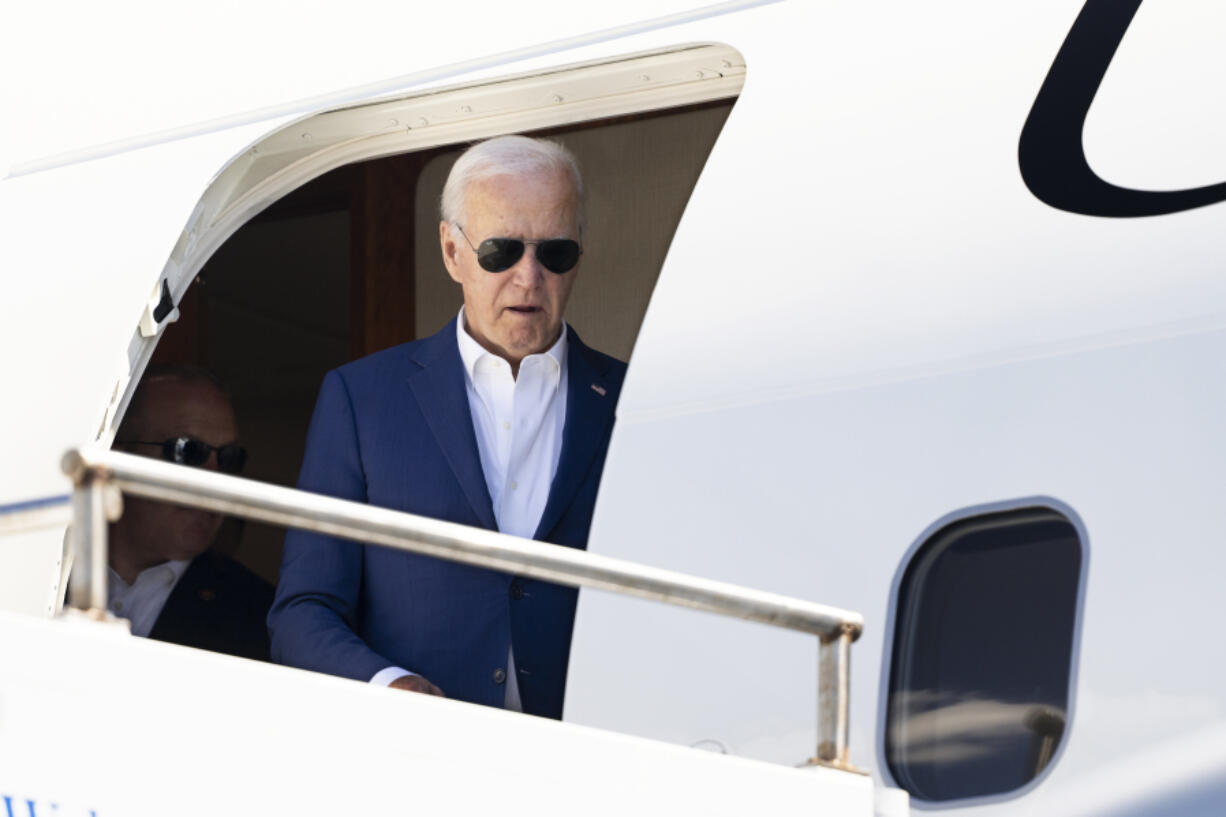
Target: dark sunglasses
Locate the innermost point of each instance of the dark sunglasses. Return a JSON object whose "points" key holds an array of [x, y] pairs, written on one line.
{"points": [[558, 255], [188, 451]]}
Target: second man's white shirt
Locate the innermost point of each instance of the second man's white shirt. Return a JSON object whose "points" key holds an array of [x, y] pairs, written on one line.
{"points": [[518, 422], [142, 601]]}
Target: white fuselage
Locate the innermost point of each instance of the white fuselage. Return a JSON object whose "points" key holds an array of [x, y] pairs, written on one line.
{"points": [[867, 326]]}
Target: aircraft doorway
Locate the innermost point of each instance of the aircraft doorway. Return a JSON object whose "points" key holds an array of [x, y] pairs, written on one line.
{"points": [[349, 264]]}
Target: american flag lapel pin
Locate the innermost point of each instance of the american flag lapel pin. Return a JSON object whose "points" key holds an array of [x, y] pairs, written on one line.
{"points": [[599, 389]]}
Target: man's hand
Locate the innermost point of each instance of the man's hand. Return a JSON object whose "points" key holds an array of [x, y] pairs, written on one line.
{"points": [[415, 683]]}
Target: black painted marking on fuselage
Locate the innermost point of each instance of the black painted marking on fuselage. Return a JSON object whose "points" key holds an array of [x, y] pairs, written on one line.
{"points": [[1051, 154]]}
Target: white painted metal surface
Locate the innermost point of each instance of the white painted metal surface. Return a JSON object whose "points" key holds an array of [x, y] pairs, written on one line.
{"points": [[866, 323], [137, 73], [1180, 777], [858, 377], [118, 725]]}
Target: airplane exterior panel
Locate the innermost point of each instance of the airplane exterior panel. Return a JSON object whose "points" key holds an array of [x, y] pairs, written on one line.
{"points": [[162, 72], [218, 735], [868, 323], [884, 228]]}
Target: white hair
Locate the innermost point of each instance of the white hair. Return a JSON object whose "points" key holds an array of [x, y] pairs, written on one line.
{"points": [[506, 156]]}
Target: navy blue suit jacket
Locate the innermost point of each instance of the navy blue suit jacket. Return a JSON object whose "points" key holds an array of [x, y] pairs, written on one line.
{"points": [[394, 429], [217, 605]]}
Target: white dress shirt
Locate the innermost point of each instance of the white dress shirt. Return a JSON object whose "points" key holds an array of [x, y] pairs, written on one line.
{"points": [[518, 423], [142, 601]]}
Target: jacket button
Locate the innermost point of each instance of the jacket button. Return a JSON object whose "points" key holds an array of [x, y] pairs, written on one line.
{"points": [[500, 675], [517, 589]]}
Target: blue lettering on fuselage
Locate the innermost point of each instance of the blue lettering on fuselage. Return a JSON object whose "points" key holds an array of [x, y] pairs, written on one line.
{"points": [[13, 808]]}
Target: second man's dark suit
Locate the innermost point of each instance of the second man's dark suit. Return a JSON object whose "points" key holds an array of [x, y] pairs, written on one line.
{"points": [[217, 605]]}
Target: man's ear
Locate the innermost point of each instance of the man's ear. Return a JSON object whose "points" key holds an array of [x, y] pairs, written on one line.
{"points": [[450, 247]]}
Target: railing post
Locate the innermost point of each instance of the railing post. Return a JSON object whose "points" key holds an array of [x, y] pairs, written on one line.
{"points": [[88, 581], [834, 699]]}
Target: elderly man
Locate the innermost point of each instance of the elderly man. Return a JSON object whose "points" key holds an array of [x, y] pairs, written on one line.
{"points": [[163, 578], [500, 421]]}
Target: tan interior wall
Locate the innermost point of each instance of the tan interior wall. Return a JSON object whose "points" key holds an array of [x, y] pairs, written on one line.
{"points": [[638, 175]]}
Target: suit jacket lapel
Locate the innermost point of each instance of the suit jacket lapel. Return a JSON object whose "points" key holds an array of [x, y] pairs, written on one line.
{"points": [[590, 401], [443, 398]]}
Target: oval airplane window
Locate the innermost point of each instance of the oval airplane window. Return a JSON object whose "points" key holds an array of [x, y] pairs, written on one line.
{"points": [[983, 654]]}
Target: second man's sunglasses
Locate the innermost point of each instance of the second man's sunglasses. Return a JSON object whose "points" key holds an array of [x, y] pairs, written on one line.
{"points": [[190, 451], [557, 255]]}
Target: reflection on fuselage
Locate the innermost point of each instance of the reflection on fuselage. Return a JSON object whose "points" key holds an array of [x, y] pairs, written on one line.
{"points": [[943, 731]]}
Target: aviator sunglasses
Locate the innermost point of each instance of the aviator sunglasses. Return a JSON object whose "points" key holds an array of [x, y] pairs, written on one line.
{"points": [[558, 255], [190, 451]]}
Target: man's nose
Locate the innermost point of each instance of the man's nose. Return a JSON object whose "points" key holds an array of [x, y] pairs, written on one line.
{"points": [[527, 272]]}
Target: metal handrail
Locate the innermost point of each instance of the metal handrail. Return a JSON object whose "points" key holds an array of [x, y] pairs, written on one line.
{"points": [[100, 475]]}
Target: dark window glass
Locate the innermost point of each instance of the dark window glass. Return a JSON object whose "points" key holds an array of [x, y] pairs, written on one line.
{"points": [[983, 647]]}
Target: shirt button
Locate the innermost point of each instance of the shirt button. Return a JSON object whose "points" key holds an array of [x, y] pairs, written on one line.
{"points": [[517, 589], [117, 606], [506, 426], [514, 485], [500, 675]]}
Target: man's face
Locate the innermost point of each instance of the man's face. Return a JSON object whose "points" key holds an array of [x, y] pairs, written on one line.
{"points": [[516, 312], [154, 532]]}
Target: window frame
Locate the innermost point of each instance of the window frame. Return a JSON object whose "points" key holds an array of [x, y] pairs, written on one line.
{"points": [[963, 515]]}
